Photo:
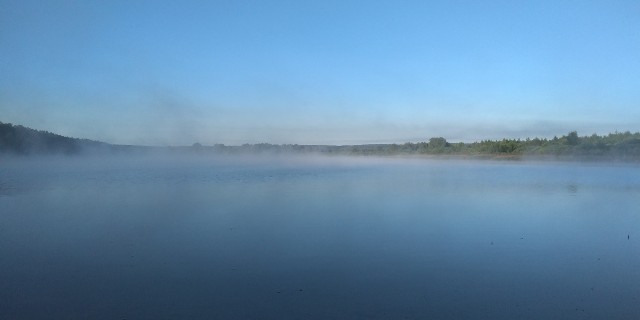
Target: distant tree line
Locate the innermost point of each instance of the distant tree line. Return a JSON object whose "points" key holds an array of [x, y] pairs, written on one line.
{"points": [[16, 139], [618, 145]]}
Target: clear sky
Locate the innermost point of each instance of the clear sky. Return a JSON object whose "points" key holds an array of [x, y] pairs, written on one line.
{"points": [[308, 72]]}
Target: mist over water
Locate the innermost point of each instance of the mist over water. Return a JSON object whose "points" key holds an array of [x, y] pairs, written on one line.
{"points": [[300, 237]]}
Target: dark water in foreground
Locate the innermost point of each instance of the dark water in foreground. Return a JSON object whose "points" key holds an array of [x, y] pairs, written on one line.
{"points": [[318, 239]]}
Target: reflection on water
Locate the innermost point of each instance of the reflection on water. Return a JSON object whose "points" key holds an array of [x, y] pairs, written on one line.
{"points": [[318, 239]]}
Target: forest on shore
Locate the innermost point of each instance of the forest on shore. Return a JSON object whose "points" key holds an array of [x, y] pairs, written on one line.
{"points": [[19, 140]]}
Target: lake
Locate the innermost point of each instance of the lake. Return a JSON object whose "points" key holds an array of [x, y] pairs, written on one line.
{"points": [[318, 238]]}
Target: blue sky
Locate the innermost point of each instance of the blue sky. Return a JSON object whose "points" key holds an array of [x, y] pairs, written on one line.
{"points": [[335, 72]]}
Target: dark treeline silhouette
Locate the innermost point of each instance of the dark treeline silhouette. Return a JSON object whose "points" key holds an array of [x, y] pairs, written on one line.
{"points": [[19, 140], [25, 141], [16, 139]]}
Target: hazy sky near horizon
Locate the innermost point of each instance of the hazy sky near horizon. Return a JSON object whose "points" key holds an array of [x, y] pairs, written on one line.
{"points": [[334, 72]]}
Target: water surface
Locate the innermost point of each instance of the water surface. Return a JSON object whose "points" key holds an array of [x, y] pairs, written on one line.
{"points": [[328, 238]]}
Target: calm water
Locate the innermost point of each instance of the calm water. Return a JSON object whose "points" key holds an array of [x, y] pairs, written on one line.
{"points": [[318, 239]]}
